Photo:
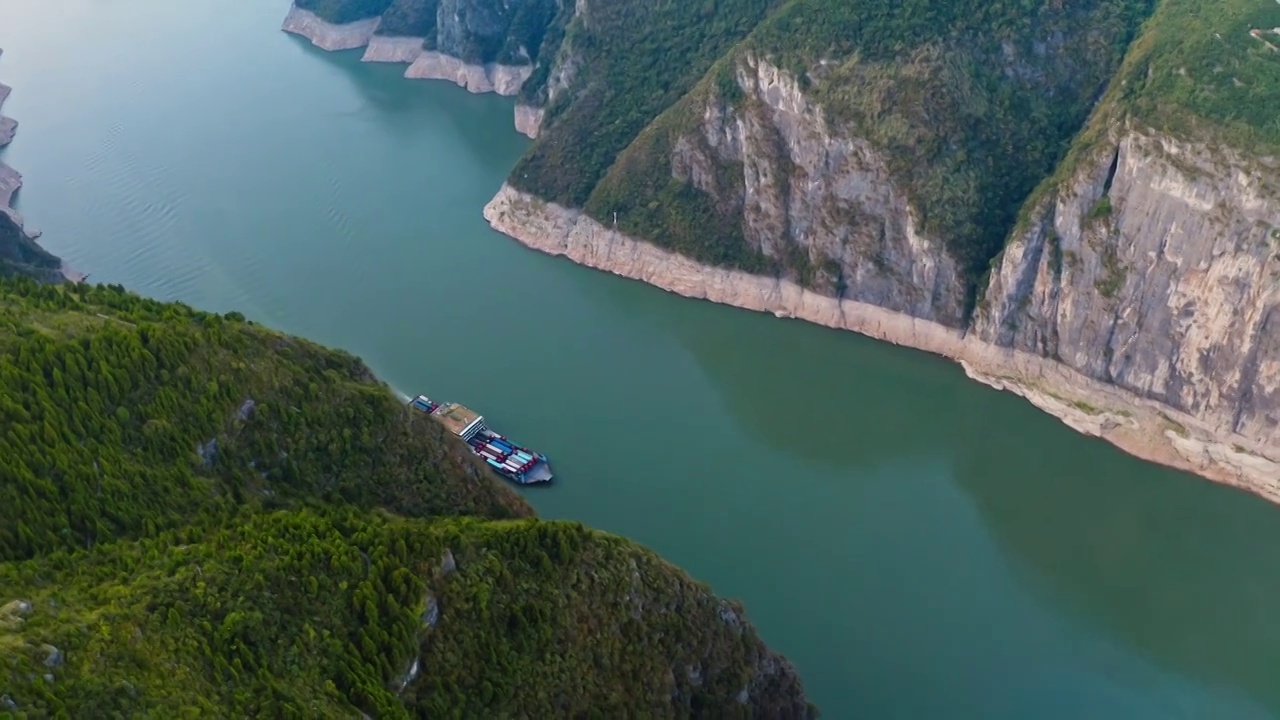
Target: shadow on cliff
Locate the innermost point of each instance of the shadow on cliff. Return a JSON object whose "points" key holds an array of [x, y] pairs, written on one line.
{"points": [[392, 102], [1182, 571]]}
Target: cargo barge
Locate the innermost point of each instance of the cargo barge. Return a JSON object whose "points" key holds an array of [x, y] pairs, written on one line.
{"points": [[518, 464]]}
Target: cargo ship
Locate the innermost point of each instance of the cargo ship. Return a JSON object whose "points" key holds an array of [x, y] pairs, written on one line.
{"points": [[518, 464]]}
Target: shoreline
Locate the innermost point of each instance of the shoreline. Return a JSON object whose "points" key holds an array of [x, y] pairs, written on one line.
{"points": [[11, 182], [1141, 427], [424, 64], [327, 36]]}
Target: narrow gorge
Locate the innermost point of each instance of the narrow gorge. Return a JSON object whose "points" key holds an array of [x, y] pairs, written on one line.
{"points": [[1080, 205]]}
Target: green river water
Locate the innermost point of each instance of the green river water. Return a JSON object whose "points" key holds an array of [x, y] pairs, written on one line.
{"points": [[920, 546]]}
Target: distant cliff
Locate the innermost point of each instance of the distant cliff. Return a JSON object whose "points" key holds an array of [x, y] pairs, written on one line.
{"points": [[19, 252], [482, 45], [1077, 201]]}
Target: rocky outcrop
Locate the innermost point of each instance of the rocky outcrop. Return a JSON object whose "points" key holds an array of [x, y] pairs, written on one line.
{"points": [[1140, 425], [393, 49], [328, 36], [491, 77], [8, 126], [529, 119], [812, 190], [1155, 269]]}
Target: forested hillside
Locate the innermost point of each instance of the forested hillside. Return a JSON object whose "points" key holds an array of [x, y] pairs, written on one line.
{"points": [[204, 516]]}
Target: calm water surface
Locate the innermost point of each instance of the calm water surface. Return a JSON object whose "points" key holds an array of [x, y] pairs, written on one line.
{"points": [[920, 546]]}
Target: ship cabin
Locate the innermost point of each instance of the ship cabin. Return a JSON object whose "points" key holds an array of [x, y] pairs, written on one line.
{"points": [[461, 421]]}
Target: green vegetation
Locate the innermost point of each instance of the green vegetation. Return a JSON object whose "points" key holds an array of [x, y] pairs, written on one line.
{"points": [[125, 417], [979, 109], [632, 60], [1197, 70], [410, 18], [1113, 273], [172, 550], [344, 11], [306, 614], [1101, 208], [970, 104]]}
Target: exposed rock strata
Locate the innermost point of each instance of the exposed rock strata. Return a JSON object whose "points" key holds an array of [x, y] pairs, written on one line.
{"points": [[423, 64], [1155, 269], [393, 49], [492, 77], [808, 187], [328, 36], [529, 120], [8, 126], [1141, 426]]}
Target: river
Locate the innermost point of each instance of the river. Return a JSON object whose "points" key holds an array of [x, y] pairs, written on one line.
{"points": [[919, 545]]}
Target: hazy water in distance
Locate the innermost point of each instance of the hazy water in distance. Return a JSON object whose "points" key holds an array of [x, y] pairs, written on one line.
{"points": [[918, 545]]}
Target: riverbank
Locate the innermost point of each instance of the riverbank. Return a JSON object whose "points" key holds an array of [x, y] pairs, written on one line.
{"points": [[424, 64], [1141, 427]]}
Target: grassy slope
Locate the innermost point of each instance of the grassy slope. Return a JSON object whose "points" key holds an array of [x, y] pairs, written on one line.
{"points": [[1193, 73], [289, 575], [344, 11], [1197, 73], [105, 398]]}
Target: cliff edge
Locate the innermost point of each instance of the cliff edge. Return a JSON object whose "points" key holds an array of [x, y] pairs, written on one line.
{"points": [[19, 252]]}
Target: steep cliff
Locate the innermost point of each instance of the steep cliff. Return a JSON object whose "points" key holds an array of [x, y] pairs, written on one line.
{"points": [[19, 253], [1075, 200], [1151, 261], [206, 517], [482, 45]]}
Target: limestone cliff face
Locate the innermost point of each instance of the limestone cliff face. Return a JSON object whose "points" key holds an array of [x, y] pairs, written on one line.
{"points": [[805, 187], [1156, 268]]}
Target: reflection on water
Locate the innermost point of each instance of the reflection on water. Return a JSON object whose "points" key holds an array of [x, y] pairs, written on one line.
{"points": [[1184, 572], [389, 102]]}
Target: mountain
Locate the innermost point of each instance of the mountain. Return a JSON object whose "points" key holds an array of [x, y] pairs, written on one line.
{"points": [[1077, 201], [203, 516]]}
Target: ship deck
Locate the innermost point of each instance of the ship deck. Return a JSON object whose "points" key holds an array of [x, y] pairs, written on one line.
{"points": [[539, 473], [455, 417]]}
